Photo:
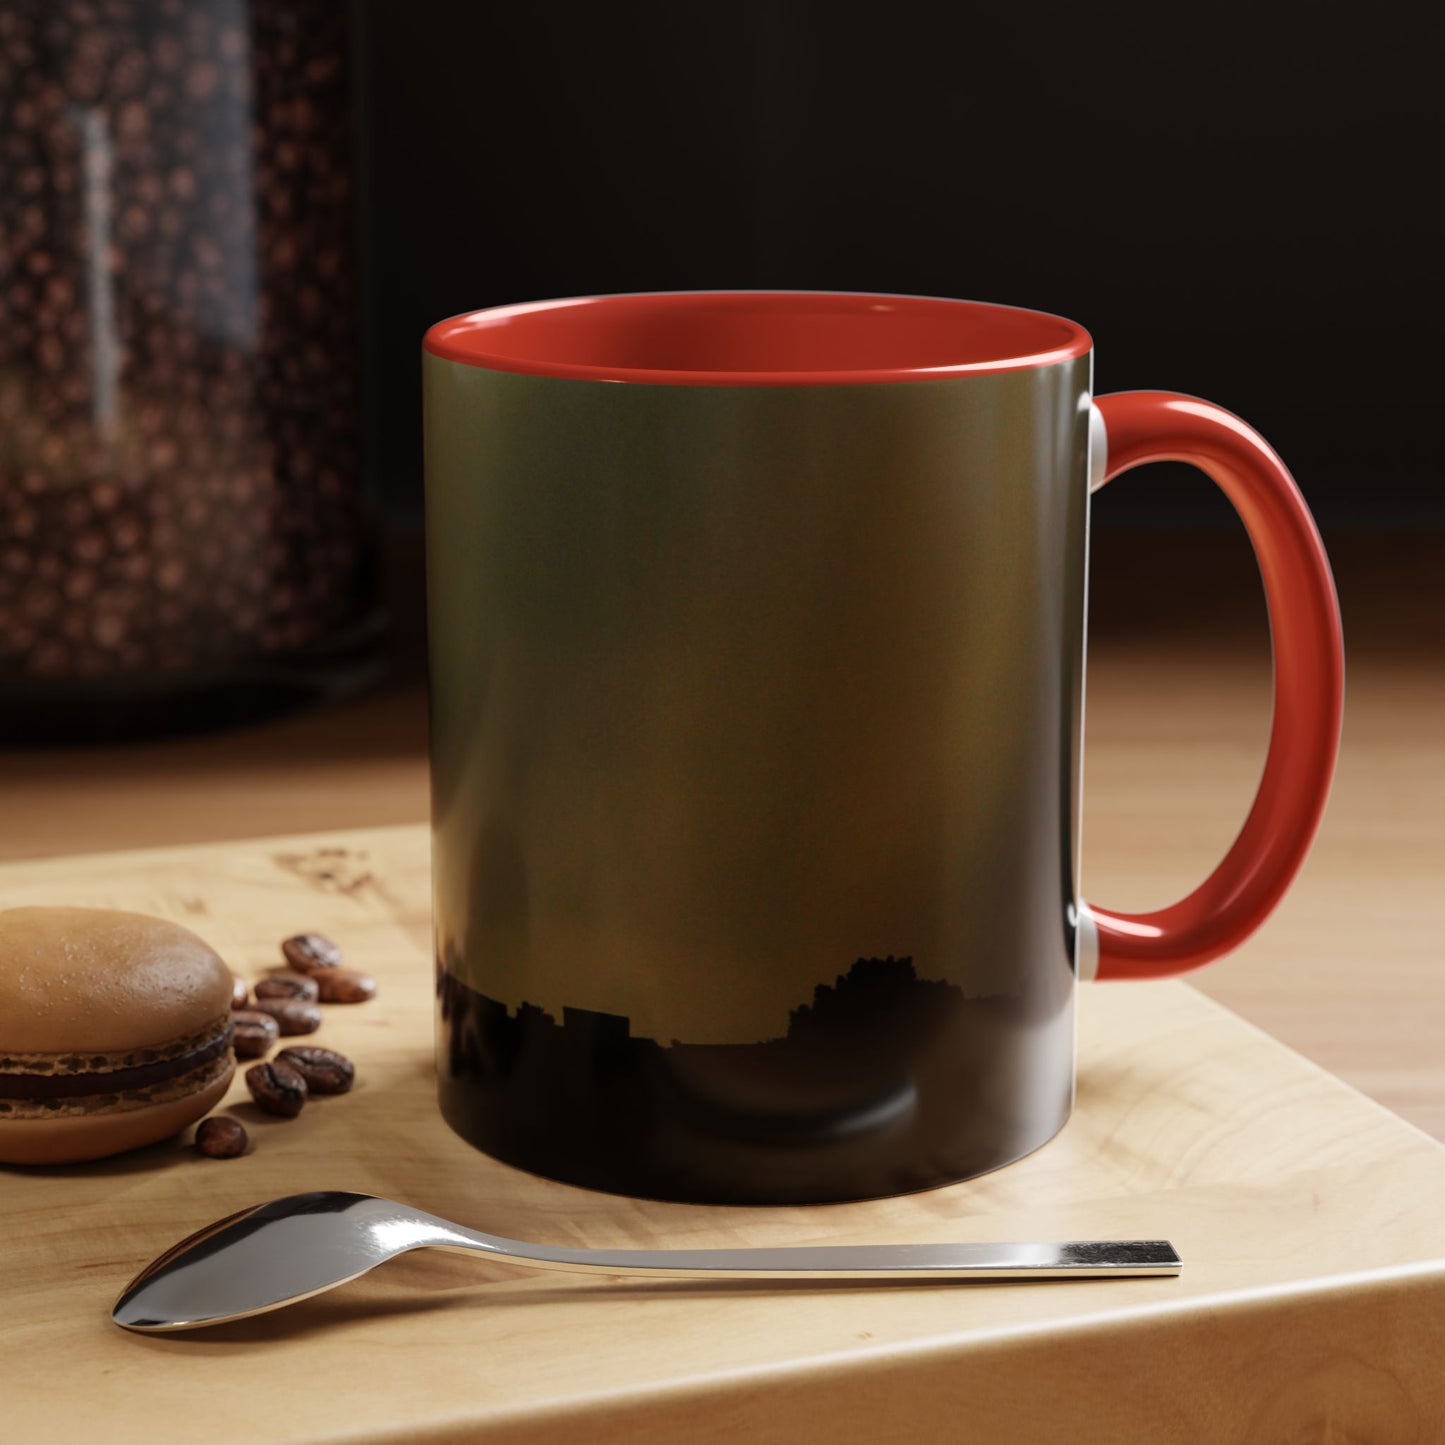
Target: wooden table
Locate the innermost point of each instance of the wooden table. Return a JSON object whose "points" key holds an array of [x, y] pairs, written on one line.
{"points": [[1311, 1306]]}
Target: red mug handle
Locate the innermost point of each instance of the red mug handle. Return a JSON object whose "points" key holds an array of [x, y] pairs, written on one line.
{"points": [[1304, 621]]}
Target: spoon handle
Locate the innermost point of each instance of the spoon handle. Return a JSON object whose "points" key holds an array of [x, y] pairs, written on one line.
{"points": [[1080, 1259]]}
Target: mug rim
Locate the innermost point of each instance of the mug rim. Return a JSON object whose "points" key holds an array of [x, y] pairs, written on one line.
{"points": [[931, 338]]}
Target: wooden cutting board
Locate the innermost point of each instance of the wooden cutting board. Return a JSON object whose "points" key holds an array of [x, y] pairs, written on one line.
{"points": [[1311, 1307]]}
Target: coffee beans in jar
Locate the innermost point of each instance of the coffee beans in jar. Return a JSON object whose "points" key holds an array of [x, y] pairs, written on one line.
{"points": [[180, 500]]}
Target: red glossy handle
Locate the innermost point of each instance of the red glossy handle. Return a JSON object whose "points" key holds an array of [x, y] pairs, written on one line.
{"points": [[1304, 620]]}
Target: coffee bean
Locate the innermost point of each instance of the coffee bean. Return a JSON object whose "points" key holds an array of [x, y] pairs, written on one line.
{"points": [[311, 953], [240, 994], [277, 1088], [325, 1071], [292, 1015], [288, 985], [345, 985], [253, 1033], [221, 1137]]}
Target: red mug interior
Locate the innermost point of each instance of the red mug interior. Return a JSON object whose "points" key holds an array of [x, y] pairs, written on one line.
{"points": [[721, 338]]}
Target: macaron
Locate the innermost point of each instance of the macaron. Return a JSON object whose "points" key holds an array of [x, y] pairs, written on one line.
{"points": [[115, 1032]]}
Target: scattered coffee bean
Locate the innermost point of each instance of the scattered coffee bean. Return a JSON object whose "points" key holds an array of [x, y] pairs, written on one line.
{"points": [[325, 1071], [288, 985], [345, 985], [292, 1015], [253, 1033], [240, 994], [221, 1137], [277, 1088], [311, 953]]}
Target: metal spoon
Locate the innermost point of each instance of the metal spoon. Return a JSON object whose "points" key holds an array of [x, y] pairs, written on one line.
{"points": [[292, 1248]]}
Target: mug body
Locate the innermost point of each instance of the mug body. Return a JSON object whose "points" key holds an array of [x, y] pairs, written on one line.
{"points": [[756, 713]]}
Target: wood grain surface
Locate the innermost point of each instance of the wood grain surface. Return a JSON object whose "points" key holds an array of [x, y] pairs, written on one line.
{"points": [[1310, 1308]]}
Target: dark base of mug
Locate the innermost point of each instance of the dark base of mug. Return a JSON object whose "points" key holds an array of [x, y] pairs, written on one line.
{"points": [[927, 1091]]}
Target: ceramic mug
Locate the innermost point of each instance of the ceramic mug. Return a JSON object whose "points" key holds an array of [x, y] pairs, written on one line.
{"points": [[757, 648]]}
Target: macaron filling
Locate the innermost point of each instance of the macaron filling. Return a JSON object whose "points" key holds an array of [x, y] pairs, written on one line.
{"points": [[46, 1086]]}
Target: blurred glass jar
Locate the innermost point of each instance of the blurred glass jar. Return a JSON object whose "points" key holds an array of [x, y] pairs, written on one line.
{"points": [[185, 538]]}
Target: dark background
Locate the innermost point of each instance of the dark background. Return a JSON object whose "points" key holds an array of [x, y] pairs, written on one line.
{"points": [[1231, 199]]}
